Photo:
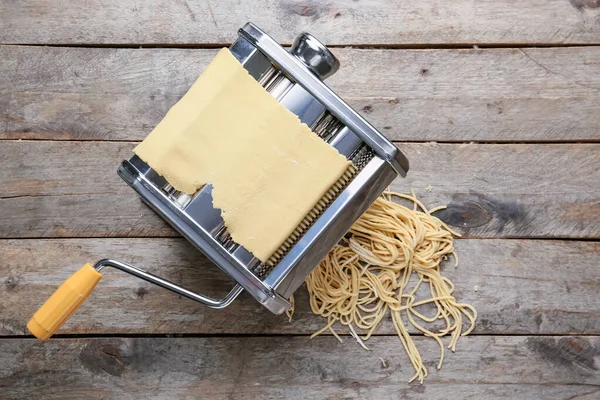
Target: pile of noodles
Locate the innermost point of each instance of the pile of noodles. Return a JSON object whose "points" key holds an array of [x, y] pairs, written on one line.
{"points": [[390, 253]]}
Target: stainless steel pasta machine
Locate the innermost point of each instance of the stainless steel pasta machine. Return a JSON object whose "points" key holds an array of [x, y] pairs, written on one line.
{"points": [[295, 79]]}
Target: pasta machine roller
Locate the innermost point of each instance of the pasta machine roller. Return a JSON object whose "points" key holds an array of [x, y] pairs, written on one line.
{"points": [[295, 79]]}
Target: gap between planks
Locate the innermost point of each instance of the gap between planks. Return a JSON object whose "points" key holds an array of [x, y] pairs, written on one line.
{"points": [[398, 142], [399, 46], [528, 238], [59, 336]]}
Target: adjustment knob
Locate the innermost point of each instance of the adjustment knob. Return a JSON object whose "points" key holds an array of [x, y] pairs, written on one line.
{"points": [[315, 55]]}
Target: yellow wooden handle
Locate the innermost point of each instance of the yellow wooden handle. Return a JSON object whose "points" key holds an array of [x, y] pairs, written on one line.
{"points": [[64, 302]]}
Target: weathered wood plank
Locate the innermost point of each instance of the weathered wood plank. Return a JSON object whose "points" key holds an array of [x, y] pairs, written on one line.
{"points": [[71, 189], [524, 287], [371, 22], [549, 94], [291, 367]]}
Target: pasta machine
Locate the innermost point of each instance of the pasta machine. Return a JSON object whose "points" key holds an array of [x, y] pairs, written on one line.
{"points": [[295, 79]]}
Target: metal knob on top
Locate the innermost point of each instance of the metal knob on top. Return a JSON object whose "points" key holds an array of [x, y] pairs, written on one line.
{"points": [[315, 55]]}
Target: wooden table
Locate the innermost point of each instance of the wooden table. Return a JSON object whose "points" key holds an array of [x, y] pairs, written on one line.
{"points": [[496, 104]]}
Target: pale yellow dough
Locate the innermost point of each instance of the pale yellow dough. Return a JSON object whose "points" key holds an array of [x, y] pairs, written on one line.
{"points": [[267, 169]]}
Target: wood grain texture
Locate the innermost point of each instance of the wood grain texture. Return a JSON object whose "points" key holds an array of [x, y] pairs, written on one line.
{"points": [[346, 22], [71, 189], [61, 200], [549, 94], [292, 367], [524, 287]]}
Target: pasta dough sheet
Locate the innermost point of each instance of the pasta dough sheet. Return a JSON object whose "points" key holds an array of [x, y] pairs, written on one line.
{"points": [[267, 169]]}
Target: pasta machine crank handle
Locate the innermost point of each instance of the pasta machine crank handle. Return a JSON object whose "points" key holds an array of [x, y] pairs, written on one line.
{"points": [[173, 287], [72, 293]]}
